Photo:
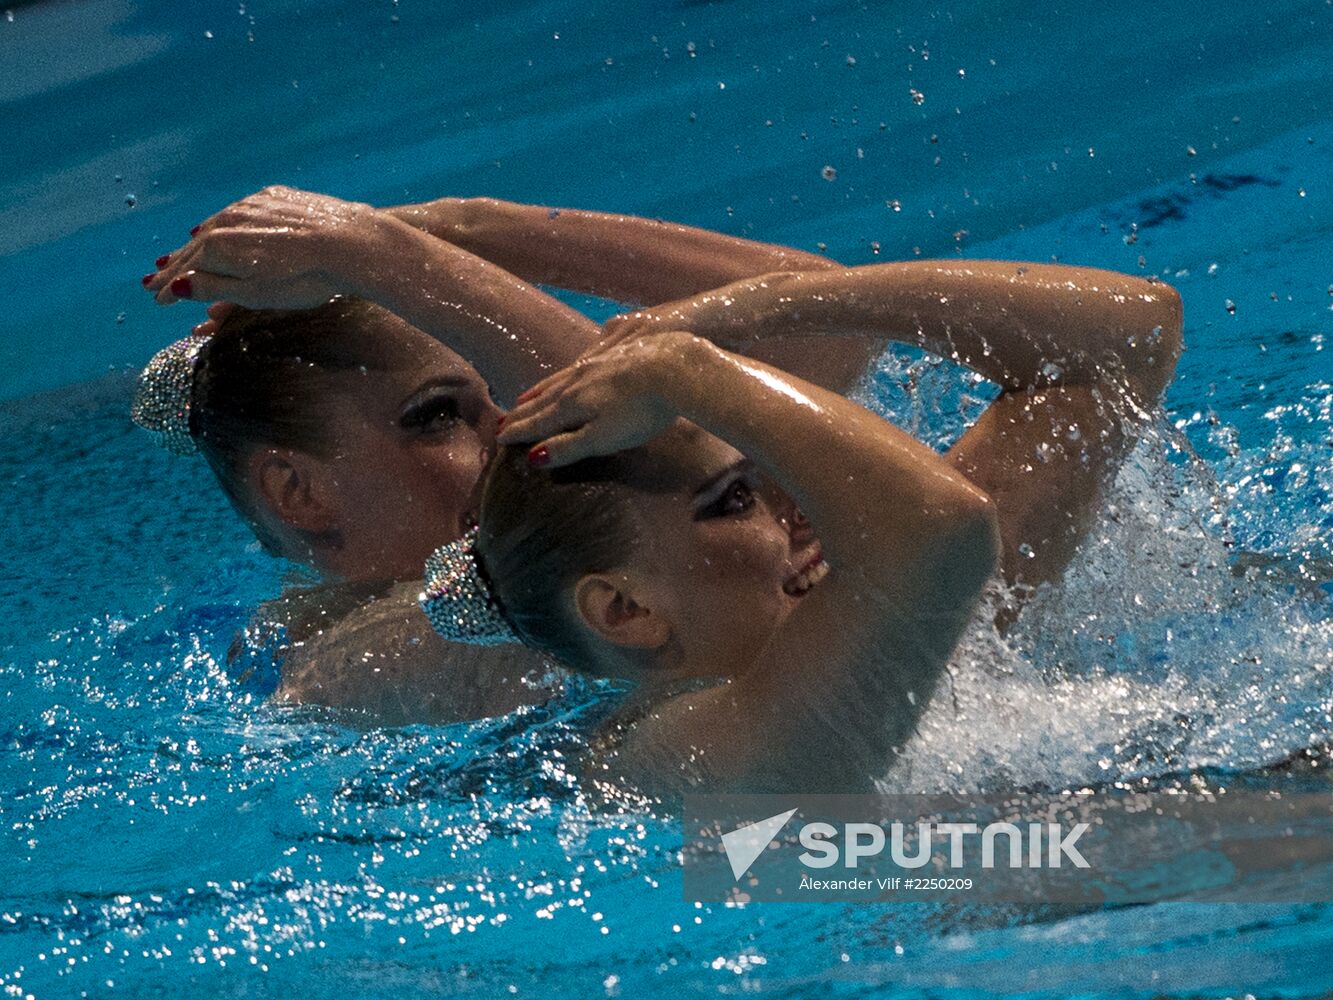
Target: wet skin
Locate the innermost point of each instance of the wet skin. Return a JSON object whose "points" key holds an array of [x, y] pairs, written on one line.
{"points": [[413, 432], [719, 545]]}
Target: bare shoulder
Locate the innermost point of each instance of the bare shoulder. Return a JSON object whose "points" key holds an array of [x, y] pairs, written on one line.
{"points": [[382, 657]]}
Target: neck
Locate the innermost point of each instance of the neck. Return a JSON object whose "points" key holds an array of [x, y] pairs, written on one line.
{"points": [[657, 671]]}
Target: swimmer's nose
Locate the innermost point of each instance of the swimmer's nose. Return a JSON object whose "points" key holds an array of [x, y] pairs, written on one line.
{"points": [[798, 525], [788, 514]]}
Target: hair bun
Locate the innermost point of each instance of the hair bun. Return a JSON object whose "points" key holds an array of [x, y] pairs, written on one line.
{"points": [[458, 599], [165, 393]]}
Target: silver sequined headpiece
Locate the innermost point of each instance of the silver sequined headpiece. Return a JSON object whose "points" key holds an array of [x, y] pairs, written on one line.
{"points": [[165, 393], [459, 601]]}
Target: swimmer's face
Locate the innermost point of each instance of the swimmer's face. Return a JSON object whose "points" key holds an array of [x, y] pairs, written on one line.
{"points": [[413, 434], [722, 549]]}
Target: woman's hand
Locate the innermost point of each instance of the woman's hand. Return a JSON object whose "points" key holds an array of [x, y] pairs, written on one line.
{"points": [[607, 401], [277, 249]]}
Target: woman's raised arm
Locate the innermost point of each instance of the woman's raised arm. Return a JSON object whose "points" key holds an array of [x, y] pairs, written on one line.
{"points": [[622, 257], [287, 249], [1081, 355]]}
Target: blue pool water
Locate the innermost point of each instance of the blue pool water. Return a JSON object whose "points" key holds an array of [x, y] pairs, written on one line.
{"points": [[164, 832]]}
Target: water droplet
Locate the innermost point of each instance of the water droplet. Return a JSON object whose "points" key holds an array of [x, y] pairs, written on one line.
{"points": [[1231, 307], [1025, 550], [851, 60], [208, 34], [131, 200], [897, 206], [917, 96], [829, 173], [1191, 151]]}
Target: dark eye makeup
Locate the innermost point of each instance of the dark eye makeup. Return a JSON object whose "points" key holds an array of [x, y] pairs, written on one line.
{"points": [[437, 411], [735, 495]]}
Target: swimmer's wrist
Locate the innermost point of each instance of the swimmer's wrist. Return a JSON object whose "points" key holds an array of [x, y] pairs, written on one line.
{"points": [[372, 264], [692, 365]]}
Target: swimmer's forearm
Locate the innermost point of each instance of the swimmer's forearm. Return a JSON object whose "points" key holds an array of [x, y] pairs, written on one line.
{"points": [[622, 257], [1020, 325], [513, 333], [842, 464]]}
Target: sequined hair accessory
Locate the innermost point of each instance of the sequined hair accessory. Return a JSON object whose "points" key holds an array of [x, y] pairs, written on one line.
{"points": [[165, 395], [459, 601]]}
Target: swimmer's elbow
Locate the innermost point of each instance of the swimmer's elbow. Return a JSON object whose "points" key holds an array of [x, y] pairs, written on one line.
{"points": [[959, 550], [974, 543], [1156, 356]]}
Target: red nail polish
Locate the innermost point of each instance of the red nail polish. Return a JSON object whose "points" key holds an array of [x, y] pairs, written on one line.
{"points": [[180, 287], [195, 230], [499, 421], [148, 279], [527, 394], [162, 261], [538, 457]]}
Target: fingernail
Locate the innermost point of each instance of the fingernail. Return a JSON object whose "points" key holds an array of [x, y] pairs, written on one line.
{"points": [[195, 230], [162, 261], [539, 456], [148, 279], [527, 394], [180, 287], [499, 421]]}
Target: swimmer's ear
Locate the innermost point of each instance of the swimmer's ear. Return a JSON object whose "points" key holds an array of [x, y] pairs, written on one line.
{"points": [[606, 604], [294, 488]]}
